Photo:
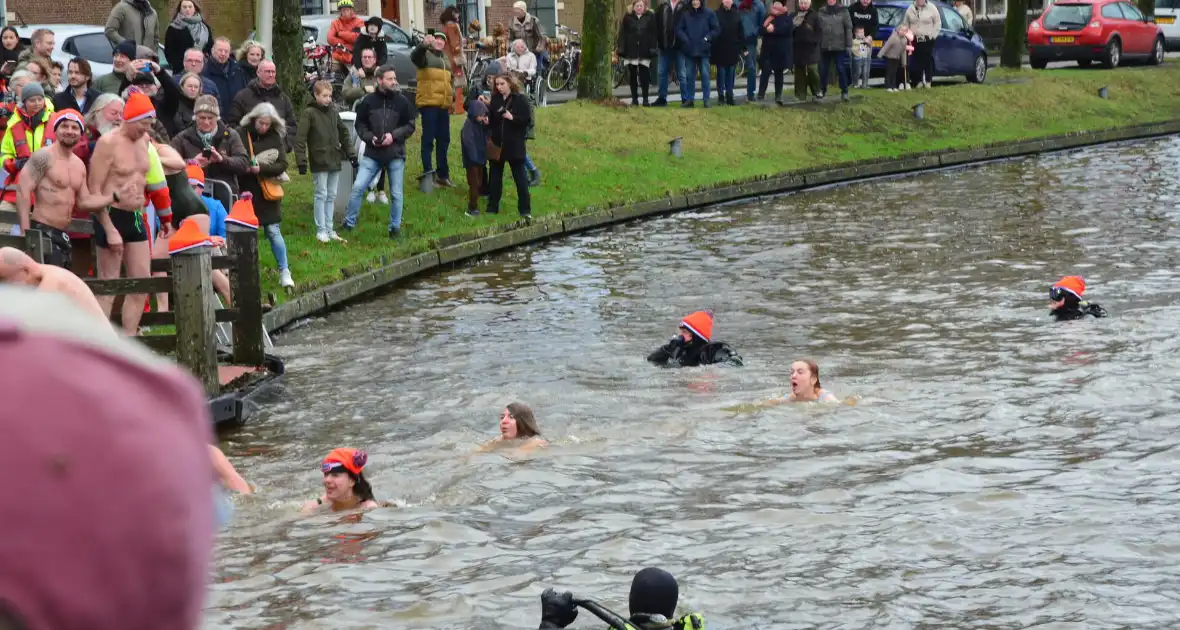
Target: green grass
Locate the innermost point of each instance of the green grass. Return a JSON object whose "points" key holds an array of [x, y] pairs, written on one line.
{"points": [[597, 156]]}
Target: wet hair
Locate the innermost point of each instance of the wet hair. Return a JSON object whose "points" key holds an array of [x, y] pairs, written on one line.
{"points": [[361, 490], [526, 422], [811, 366]]}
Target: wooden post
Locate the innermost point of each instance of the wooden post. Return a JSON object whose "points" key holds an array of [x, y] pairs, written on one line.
{"points": [[246, 286], [196, 341]]}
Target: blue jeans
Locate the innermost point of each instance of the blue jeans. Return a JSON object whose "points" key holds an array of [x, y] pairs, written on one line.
{"points": [[688, 82], [751, 68], [726, 76], [277, 244], [436, 136], [827, 58], [324, 199], [366, 172], [669, 59], [528, 163]]}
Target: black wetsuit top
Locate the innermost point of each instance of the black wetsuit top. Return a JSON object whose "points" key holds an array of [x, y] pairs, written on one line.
{"points": [[1078, 310], [678, 353]]}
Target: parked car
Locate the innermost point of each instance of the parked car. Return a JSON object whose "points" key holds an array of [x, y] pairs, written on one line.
{"points": [[87, 41], [958, 51], [1166, 12], [315, 29], [1085, 31]]}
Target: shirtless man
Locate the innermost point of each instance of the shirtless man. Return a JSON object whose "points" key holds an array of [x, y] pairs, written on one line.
{"points": [[125, 157], [16, 267], [57, 179]]}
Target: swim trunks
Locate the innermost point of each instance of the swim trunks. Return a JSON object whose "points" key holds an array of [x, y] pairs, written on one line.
{"points": [[129, 224], [60, 253]]}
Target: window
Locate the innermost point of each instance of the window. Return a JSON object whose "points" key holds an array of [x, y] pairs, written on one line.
{"points": [[93, 47], [890, 16], [952, 21], [1131, 11], [1112, 12], [396, 36], [311, 7], [1167, 4], [1068, 17], [546, 12]]}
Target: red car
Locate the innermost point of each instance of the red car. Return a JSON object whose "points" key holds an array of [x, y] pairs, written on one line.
{"points": [[1085, 31]]}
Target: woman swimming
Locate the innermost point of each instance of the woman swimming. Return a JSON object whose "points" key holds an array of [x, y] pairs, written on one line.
{"points": [[518, 426], [805, 385], [345, 487]]}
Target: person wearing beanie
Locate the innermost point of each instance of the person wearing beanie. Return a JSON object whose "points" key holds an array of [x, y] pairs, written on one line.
{"points": [[371, 39], [651, 605], [25, 132], [345, 486], [115, 81], [1066, 303], [527, 27], [212, 145], [474, 142], [693, 345]]}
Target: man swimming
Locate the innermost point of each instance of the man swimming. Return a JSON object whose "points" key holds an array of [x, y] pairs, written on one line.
{"points": [[1066, 303], [693, 345]]}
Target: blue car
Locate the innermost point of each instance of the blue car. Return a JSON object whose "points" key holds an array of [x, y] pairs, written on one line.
{"points": [[958, 51]]}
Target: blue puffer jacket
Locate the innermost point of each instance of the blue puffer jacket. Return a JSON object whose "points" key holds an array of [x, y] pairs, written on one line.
{"points": [[752, 19], [696, 31]]}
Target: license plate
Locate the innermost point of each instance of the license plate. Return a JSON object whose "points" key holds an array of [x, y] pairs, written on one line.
{"points": [[1165, 19], [878, 43], [1061, 40]]}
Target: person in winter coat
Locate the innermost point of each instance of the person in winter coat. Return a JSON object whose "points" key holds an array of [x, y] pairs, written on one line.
{"points": [[894, 53], [695, 34], [667, 18], [188, 29], [453, 51], [965, 12], [362, 80], [805, 42], [864, 15], [508, 124], [527, 27], [637, 45], [651, 604], [693, 345], [323, 139], [135, 20], [924, 20], [265, 89], [78, 95], [249, 55], [835, 46], [384, 121], [727, 50], [474, 141], [433, 100], [753, 13], [1066, 303], [212, 145], [10, 50], [776, 51], [344, 31], [225, 73], [190, 89], [371, 39], [262, 132]]}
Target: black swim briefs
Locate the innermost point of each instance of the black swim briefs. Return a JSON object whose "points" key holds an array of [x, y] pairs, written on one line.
{"points": [[130, 226]]}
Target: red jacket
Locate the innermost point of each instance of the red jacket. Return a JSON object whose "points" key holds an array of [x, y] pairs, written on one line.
{"points": [[344, 33]]}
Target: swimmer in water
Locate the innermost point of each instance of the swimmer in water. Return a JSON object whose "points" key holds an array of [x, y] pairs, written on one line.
{"points": [[1065, 300], [805, 385], [518, 426], [693, 345], [16, 267], [345, 487], [226, 473]]}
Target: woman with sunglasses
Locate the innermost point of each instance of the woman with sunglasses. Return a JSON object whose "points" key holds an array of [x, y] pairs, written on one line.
{"points": [[518, 427], [345, 487], [1066, 303]]}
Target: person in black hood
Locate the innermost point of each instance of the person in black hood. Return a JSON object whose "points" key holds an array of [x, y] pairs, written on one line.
{"points": [[372, 38], [651, 605], [864, 15], [693, 345], [1065, 300]]}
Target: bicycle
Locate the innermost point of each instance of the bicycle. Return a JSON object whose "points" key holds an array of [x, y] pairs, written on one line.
{"points": [[318, 65], [563, 72]]}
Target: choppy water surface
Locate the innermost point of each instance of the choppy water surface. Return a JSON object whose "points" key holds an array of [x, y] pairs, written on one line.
{"points": [[999, 471]]}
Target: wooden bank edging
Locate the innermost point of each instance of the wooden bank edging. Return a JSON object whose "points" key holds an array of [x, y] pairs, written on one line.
{"points": [[350, 289]]}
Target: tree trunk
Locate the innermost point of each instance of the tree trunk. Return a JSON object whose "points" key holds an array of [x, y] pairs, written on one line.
{"points": [[288, 50], [596, 77], [1015, 31]]}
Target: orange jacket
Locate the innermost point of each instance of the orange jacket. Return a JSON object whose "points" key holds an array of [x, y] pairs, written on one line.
{"points": [[344, 33]]}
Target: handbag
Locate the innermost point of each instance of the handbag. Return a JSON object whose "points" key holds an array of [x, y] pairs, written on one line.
{"points": [[495, 151], [272, 190]]}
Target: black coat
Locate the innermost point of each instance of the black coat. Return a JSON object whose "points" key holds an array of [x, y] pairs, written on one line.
{"points": [[66, 100], [678, 353], [267, 211], [731, 41], [383, 113], [666, 20], [806, 36], [509, 135], [864, 17], [776, 46], [380, 45], [179, 40], [638, 37]]}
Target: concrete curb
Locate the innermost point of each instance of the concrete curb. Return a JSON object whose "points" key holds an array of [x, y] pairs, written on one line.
{"points": [[345, 291]]}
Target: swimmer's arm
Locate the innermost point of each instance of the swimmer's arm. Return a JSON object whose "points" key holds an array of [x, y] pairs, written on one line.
{"points": [[226, 472], [312, 506], [368, 505], [100, 165], [829, 397], [91, 203], [30, 178]]}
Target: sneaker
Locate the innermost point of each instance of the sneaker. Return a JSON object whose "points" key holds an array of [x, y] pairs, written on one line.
{"points": [[285, 280], [891, 90], [685, 104], [371, 197], [382, 198], [844, 97], [394, 233], [336, 237], [779, 102], [474, 212], [660, 102], [645, 102], [322, 237], [443, 182]]}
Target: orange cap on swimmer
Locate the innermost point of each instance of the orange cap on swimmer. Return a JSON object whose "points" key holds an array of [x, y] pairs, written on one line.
{"points": [[351, 459], [1073, 284], [700, 323]]}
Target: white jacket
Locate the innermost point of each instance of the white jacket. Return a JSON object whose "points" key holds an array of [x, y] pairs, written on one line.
{"points": [[525, 64]]}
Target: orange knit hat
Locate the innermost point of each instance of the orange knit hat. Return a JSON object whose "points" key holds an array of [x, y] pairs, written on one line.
{"points": [[350, 459], [188, 236], [67, 114], [196, 175], [242, 212], [700, 323], [1074, 284], [138, 107]]}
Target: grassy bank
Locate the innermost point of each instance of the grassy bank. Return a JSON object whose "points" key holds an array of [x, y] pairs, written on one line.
{"points": [[595, 156]]}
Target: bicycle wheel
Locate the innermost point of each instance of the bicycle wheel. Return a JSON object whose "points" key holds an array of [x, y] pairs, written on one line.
{"points": [[620, 71], [741, 67], [559, 75]]}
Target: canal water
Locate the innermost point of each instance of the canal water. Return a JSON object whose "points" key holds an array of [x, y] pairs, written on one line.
{"points": [[998, 470]]}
